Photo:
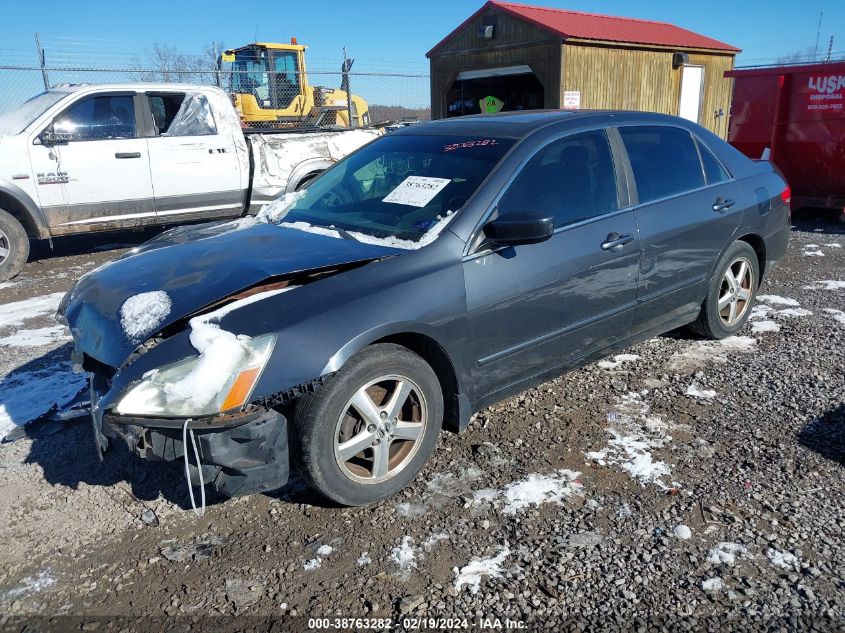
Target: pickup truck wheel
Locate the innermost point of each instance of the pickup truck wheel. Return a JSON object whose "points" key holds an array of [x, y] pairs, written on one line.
{"points": [[371, 428], [14, 246], [731, 293]]}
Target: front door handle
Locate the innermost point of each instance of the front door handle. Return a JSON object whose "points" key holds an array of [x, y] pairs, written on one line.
{"points": [[127, 155], [614, 242], [723, 204]]}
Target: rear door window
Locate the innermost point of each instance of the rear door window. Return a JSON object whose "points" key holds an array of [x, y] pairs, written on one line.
{"points": [[164, 108], [664, 160], [572, 179], [181, 114], [97, 118]]}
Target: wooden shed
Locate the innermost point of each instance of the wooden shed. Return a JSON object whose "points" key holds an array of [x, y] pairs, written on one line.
{"points": [[510, 56]]}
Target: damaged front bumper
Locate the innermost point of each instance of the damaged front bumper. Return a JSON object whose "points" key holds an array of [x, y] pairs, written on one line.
{"points": [[239, 454]]}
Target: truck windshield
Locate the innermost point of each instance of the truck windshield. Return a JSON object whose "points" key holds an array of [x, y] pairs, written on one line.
{"points": [[18, 119], [399, 186], [273, 86]]}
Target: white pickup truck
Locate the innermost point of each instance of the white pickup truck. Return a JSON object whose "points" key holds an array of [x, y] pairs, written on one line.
{"points": [[84, 158]]}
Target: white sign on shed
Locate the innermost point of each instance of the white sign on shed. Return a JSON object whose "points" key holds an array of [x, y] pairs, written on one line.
{"points": [[571, 99]]}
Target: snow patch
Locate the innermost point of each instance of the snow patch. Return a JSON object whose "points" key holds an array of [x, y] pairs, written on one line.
{"points": [[32, 584], [220, 352], [317, 562], [837, 315], [364, 559], [760, 327], [618, 360], [776, 300], [833, 245], [310, 228], [18, 312], [704, 352], [827, 284], [759, 312], [794, 312], [682, 532], [404, 556], [26, 396], [537, 489], [784, 560], [431, 542], [142, 314], [310, 565], [712, 584], [634, 435], [470, 575], [273, 212], [727, 553], [36, 338], [812, 250], [697, 392]]}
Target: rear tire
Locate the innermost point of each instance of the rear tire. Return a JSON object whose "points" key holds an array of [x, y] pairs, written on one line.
{"points": [[371, 428], [730, 294], [14, 246]]}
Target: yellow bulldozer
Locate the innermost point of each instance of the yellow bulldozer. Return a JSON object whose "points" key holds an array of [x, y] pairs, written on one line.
{"points": [[270, 88]]}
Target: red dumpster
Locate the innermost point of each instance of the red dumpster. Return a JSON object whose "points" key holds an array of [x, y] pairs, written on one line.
{"points": [[798, 113]]}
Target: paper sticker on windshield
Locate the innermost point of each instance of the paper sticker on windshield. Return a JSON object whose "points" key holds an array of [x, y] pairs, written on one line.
{"points": [[416, 191]]}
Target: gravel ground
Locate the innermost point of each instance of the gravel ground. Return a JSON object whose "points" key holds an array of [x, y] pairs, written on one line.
{"points": [[683, 484]]}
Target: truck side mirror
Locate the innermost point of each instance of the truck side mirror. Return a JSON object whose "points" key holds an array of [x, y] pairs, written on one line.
{"points": [[49, 137]]}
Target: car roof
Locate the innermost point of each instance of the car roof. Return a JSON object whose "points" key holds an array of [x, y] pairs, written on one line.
{"points": [[522, 123]]}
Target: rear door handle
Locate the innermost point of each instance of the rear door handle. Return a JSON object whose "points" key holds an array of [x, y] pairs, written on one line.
{"points": [[723, 204], [127, 155], [615, 242]]}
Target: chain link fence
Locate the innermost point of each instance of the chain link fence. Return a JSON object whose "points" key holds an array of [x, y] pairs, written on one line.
{"points": [[274, 99]]}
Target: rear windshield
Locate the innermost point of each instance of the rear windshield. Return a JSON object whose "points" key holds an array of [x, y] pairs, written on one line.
{"points": [[399, 186]]}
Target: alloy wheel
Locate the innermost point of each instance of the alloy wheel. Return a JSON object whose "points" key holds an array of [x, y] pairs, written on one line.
{"points": [[380, 429], [5, 246], [736, 291]]}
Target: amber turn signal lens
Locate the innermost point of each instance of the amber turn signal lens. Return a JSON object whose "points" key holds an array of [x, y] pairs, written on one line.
{"points": [[241, 388]]}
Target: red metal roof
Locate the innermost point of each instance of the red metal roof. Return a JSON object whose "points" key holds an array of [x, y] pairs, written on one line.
{"points": [[592, 26]]}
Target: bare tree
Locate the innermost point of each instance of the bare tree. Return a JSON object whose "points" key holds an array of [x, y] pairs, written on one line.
{"points": [[168, 64], [803, 56]]}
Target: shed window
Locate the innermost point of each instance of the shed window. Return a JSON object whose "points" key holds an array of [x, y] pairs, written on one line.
{"points": [[664, 160], [572, 179]]}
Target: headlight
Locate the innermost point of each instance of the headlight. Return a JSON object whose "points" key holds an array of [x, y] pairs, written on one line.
{"points": [[199, 385]]}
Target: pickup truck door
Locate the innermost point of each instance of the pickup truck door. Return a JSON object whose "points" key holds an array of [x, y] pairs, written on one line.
{"points": [[193, 161], [98, 174]]}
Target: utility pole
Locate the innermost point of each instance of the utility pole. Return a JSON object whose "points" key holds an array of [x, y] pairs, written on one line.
{"points": [[818, 34], [829, 48], [42, 61]]}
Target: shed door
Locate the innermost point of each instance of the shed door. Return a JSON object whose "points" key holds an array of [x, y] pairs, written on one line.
{"points": [[692, 89]]}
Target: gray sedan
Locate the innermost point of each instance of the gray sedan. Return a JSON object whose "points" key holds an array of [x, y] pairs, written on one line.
{"points": [[435, 271]]}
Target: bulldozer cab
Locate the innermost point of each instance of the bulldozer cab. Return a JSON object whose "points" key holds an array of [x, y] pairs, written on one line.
{"points": [[273, 74]]}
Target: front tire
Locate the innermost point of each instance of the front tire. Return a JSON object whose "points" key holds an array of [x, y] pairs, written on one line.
{"points": [[730, 294], [14, 246], [371, 428]]}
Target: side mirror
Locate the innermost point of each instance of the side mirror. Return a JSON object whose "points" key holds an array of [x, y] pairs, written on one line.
{"points": [[49, 137], [519, 227]]}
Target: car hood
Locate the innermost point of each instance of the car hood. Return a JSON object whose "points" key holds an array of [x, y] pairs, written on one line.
{"points": [[196, 266]]}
